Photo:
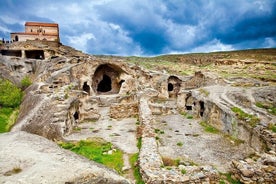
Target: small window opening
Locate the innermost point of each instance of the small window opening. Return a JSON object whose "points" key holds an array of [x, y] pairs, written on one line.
{"points": [[170, 87], [76, 115], [202, 108], [189, 107], [86, 88], [105, 84]]}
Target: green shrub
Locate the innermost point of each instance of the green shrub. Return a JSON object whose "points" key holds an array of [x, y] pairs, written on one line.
{"points": [[10, 95], [26, 82]]}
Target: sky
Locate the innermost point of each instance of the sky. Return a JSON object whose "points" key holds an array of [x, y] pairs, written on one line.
{"points": [[149, 27]]}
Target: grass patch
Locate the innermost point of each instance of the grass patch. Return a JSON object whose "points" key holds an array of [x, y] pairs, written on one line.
{"points": [[136, 172], [8, 117], [183, 171], [26, 82], [227, 178], [272, 127], [269, 107], [251, 119], [180, 144], [189, 116], [11, 95], [139, 143], [97, 151], [209, 128]]}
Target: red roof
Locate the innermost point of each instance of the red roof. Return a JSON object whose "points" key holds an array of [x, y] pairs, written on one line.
{"points": [[41, 24]]}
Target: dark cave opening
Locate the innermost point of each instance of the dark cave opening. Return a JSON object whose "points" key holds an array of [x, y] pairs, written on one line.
{"points": [[189, 107], [202, 108], [170, 87], [76, 115], [121, 82], [86, 88], [105, 84]]}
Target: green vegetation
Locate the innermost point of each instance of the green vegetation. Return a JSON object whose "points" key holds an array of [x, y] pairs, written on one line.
{"points": [[269, 107], [135, 168], [272, 127], [183, 171], [227, 178], [158, 131], [180, 144], [77, 128], [186, 115], [10, 99], [26, 82], [11, 95], [204, 91], [139, 143], [251, 119], [5, 114], [189, 116], [98, 151], [209, 128]]}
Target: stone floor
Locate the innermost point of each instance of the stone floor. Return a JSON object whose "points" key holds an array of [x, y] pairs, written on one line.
{"points": [[185, 139]]}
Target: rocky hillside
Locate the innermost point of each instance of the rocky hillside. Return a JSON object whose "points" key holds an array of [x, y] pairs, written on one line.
{"points": [[192, 116]]}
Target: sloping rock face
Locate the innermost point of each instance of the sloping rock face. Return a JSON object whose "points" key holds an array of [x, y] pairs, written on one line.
{"points": [[28, 158]]}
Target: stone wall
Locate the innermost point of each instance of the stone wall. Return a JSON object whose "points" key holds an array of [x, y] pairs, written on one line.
{"points": [[259, 169], [125, 110], [150, 161]]}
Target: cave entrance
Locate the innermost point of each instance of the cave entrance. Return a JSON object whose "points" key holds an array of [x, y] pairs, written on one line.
{"points": [[202, 108], [86, 88], [189, 107], [174, 84], [34, 54], [170, 87], [76, 115], [105, 84], [106, 79]]}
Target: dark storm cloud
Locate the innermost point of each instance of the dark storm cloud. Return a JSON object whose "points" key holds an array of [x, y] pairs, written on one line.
{"points": [[143, 27]]}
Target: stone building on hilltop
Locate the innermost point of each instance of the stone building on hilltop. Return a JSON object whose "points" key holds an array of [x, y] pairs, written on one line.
{"points": [[37, 31]]}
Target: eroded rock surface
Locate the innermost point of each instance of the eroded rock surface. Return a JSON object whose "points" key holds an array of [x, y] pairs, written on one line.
{"points": [[28, 158], [105, 97]]}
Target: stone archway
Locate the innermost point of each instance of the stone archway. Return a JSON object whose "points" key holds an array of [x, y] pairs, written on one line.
{"points": [[106, 79], [16, 38]]}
